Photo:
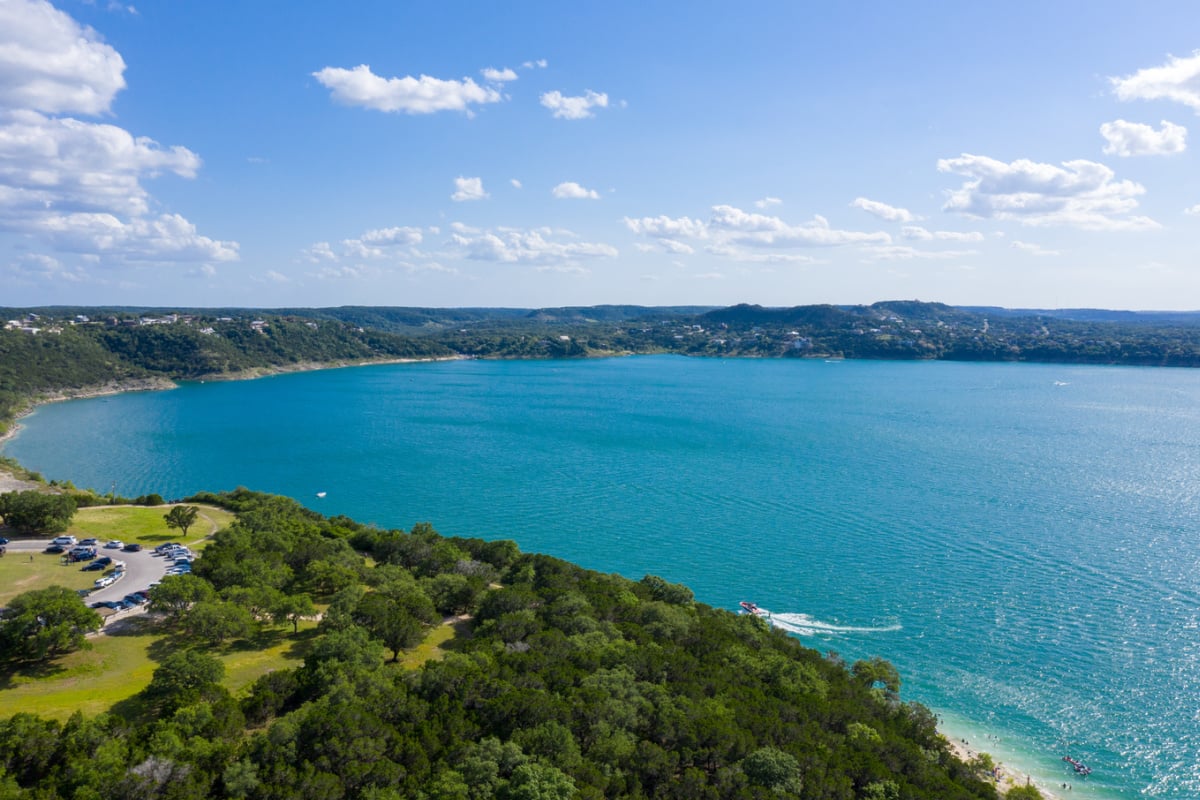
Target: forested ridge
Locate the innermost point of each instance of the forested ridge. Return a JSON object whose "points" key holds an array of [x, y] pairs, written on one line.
{"points": [[561, 683], [54, 350]]}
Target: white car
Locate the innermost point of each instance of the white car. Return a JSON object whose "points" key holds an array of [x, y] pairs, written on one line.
{"points": [[114, 545], [65, 541], [107, 580]]}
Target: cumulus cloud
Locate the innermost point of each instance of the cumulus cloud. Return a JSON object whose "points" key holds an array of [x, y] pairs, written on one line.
{"points": [[72, 184], [883, 210], [1177, 80], [493, 75], [1193, 211], [759, 230], [51, 63], [1033, 249], [1135, 139], [538, 246], [917, 233], [516, 183], [577, 107], [1081, 194], [767, 202], [423, 95], [468, 189], [570, 190], [733, 233]]}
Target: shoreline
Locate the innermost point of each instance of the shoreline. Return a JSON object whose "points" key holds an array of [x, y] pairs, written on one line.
{"points": [[1008, 775]]}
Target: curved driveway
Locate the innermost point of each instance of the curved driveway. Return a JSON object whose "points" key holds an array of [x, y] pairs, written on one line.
{"points": [[141, 569]]}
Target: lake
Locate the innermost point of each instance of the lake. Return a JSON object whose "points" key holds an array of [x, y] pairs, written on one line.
{"points": [[1022, 541]]}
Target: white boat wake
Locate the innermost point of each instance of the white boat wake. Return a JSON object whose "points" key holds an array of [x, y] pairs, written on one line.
{"points": [[804, 625]]}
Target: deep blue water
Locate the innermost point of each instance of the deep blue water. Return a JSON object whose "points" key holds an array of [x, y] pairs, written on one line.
{"points": [[1022, 541]]}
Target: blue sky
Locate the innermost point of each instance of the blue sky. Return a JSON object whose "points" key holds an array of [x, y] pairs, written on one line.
{"points": [[316, 153]]}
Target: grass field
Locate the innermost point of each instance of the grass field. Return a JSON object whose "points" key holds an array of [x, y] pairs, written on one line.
{"points": [[18, 574]]}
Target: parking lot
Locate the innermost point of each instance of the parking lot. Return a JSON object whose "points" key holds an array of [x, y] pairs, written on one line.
{"points": [[141, 568]]}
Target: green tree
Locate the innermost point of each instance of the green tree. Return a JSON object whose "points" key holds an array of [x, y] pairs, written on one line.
{"points": [[181, 517], [386, 620], [218, 620], [293, 608], [45, 623], [773, 768], [36, 513], [177, 593], [184, 677]]}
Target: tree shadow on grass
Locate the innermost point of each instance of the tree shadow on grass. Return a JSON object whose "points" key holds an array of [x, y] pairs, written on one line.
{"points": [[463, 633], [11, 670]]}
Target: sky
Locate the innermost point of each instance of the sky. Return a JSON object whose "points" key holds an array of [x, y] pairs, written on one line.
{"points": [[279, 153]]}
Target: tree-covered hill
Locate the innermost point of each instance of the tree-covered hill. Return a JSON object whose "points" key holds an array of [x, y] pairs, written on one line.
{"points": [[568, 683]]}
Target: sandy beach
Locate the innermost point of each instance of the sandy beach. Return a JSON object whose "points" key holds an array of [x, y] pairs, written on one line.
{"points": [[1008, 776]]}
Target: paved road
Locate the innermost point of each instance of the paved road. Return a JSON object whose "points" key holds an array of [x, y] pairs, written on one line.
{"points": [[141, 569]]}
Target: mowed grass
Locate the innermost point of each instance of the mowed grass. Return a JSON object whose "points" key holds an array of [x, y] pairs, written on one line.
{"points": [[119, 666], [437, 643], [18, 574], [144, 524]]}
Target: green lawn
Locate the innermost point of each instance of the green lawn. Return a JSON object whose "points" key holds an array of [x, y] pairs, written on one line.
{"points": [[18, 574], [144, 524]]}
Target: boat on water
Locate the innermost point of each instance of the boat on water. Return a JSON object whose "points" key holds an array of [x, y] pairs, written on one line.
{"points": [[1080, 767], [751, 608]]}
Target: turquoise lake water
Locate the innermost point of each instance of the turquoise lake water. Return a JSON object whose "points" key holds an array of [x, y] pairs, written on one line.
{"points": [[1022, 541]]}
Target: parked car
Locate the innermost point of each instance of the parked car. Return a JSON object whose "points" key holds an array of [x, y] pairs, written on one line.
{"points": [[3, 541], [107, 580], [89, 542], [95, 566], [55, 548], [136, 599], [132, 547], [115, 544], [63, 540]]}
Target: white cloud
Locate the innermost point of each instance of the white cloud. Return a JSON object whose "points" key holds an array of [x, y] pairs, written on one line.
{"points": [[1194, 210], [51, 63], [577, 107], [539, 64], [730, 231], [277, 277], [570, 190], [1135, 139], [667, 228], [767, 202], [762, 231], [539, 246], [468, 189], [516, 183], [76, 185], [392, 236], [423, 95], [917, 233], [1081, 194], [901, 252], [883, 210], [1033, 249], [1178, 80], [493, 75]]}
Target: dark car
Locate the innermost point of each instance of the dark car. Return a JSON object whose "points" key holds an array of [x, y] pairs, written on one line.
{"points": [[100, 604], [90, 542], [95, 566], [104, 561], [3, 541], [135, 598], [55, 548], [133, 547]]}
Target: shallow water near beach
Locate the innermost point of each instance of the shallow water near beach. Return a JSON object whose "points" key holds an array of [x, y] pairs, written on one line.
{"points": [[1022, 541]]}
